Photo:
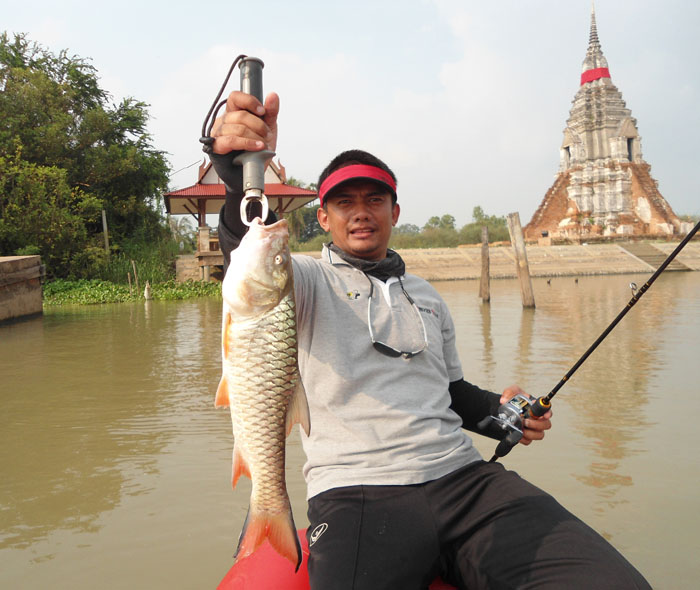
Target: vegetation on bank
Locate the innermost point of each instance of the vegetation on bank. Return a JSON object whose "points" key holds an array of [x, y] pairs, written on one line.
{"points": [[93, 291], [69, 158]]}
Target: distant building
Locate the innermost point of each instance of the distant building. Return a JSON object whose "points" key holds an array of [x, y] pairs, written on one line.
{"points": [[604, 186]]}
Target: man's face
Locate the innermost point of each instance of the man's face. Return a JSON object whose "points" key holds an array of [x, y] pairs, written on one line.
{"points": [[359, 214]]}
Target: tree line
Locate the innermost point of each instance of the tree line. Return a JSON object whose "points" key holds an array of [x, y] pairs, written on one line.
{"points": [[67, 153], [437, 232]]}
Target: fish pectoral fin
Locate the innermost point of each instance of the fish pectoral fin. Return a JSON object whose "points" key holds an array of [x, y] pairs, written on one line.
{"points": [[298, 410], [222, 399], [278, 529], [239, 467]]}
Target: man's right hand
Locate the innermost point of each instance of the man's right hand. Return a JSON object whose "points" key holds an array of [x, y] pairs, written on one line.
{"points": [[246, 125]]}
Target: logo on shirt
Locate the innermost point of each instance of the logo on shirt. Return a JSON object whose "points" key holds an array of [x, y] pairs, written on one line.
{"points": [[317, 532], [429, 311], [352, 295]]}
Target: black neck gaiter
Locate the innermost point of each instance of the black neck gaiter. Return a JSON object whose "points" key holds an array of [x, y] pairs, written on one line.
{"points": [[391, 266]]}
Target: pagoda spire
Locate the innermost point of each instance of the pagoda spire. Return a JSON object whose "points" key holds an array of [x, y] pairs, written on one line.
{"points": [[595, 66]]}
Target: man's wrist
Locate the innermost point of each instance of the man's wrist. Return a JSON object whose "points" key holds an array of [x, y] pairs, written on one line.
{"points": [[228, 172]]}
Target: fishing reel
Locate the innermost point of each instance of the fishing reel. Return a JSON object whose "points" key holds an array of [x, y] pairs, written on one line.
{"points": [[511, 417]]}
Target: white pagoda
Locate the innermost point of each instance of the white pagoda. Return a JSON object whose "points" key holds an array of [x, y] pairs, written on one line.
{"points": [[604, 186]]}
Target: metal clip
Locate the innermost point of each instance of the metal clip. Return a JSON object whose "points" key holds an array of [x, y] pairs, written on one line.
{"points": [[248, 198]]}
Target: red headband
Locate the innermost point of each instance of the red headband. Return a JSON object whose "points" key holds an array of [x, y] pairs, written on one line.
{"points": [[356, 171]]}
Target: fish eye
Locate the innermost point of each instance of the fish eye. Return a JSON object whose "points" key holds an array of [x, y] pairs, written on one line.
{"points": [[279, 259]]}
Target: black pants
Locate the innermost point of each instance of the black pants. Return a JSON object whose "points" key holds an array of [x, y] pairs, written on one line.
{"points": [[479, 527]]}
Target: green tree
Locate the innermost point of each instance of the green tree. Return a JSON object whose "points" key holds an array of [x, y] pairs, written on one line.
{"points": [[407, 229], [497, 228], [52, 107], [41, 213]]}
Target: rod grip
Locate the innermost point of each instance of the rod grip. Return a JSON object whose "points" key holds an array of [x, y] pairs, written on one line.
{"points": [[540, 407]]}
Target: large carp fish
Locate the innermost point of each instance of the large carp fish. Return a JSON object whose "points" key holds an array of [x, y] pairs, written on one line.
{"points": [[261, 382]]}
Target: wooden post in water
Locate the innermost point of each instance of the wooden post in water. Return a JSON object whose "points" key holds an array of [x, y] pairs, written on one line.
{"points": [[521, 265], [484, 284], [136, 277], [105, 231]]}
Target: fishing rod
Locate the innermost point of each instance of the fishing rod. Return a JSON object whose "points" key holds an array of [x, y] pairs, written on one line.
{"points": [[512, 414]]}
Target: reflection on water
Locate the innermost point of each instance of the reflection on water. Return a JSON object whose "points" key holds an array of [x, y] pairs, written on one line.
{"points": [[112, 452]]}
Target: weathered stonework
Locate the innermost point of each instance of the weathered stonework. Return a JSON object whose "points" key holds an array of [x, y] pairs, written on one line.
{"points": [[604, 186]]}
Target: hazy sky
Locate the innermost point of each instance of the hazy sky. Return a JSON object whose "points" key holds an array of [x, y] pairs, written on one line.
{"points": [[465, 100]]}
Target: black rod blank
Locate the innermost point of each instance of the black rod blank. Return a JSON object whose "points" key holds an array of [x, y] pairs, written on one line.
{"points": [[614, 323]]}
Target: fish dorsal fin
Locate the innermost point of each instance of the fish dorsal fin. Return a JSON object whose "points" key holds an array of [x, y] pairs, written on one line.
{"points": [[298, 410]]}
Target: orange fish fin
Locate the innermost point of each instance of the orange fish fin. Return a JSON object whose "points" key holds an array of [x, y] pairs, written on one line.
{"points": [[240, 466], [222, 400], [298, 410], [279, 531]]}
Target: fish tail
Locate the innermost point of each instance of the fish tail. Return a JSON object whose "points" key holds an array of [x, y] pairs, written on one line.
{"points": [[278, 529]]}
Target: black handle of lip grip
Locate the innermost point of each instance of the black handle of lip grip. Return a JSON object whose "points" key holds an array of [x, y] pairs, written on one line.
{"points": [[251, 77]]}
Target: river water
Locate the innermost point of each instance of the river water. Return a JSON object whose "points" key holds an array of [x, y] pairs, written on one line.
{"points": [[115, 466]]}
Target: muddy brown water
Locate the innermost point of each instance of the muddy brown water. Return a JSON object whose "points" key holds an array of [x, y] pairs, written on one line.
{"points": [[115, 466]]}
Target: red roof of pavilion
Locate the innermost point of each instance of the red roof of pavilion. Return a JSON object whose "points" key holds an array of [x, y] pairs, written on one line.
{"points": [[282, 198], [272, 189]]}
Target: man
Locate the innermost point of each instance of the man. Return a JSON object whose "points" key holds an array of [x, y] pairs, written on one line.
{"points": [[397, 493]]}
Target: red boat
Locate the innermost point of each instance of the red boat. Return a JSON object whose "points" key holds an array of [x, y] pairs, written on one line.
{"points": [[268, 570]]}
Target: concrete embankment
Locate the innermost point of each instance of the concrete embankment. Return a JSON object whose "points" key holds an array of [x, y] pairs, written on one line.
{"points": [[20, 287], [450, 264]]}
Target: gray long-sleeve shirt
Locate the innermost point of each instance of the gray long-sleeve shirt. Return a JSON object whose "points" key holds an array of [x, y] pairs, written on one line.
{"points": [[375, 420]]}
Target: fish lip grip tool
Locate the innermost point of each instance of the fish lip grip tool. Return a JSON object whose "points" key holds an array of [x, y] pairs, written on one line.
{"points": [[252, 163]]}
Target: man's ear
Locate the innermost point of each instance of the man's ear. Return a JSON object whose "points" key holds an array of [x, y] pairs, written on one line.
{"points": [[396, 210], [322, 216]]}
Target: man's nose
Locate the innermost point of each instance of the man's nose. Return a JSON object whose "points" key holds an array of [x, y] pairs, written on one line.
{"points": [[360, 211]]}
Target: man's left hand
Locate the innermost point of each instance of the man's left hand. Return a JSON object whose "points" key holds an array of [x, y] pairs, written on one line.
{"points": [[533, 428]]}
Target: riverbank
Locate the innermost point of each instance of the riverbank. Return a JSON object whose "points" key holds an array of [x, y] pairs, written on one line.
{"points": [[434, 264], [95, 291], [464, 262]]}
